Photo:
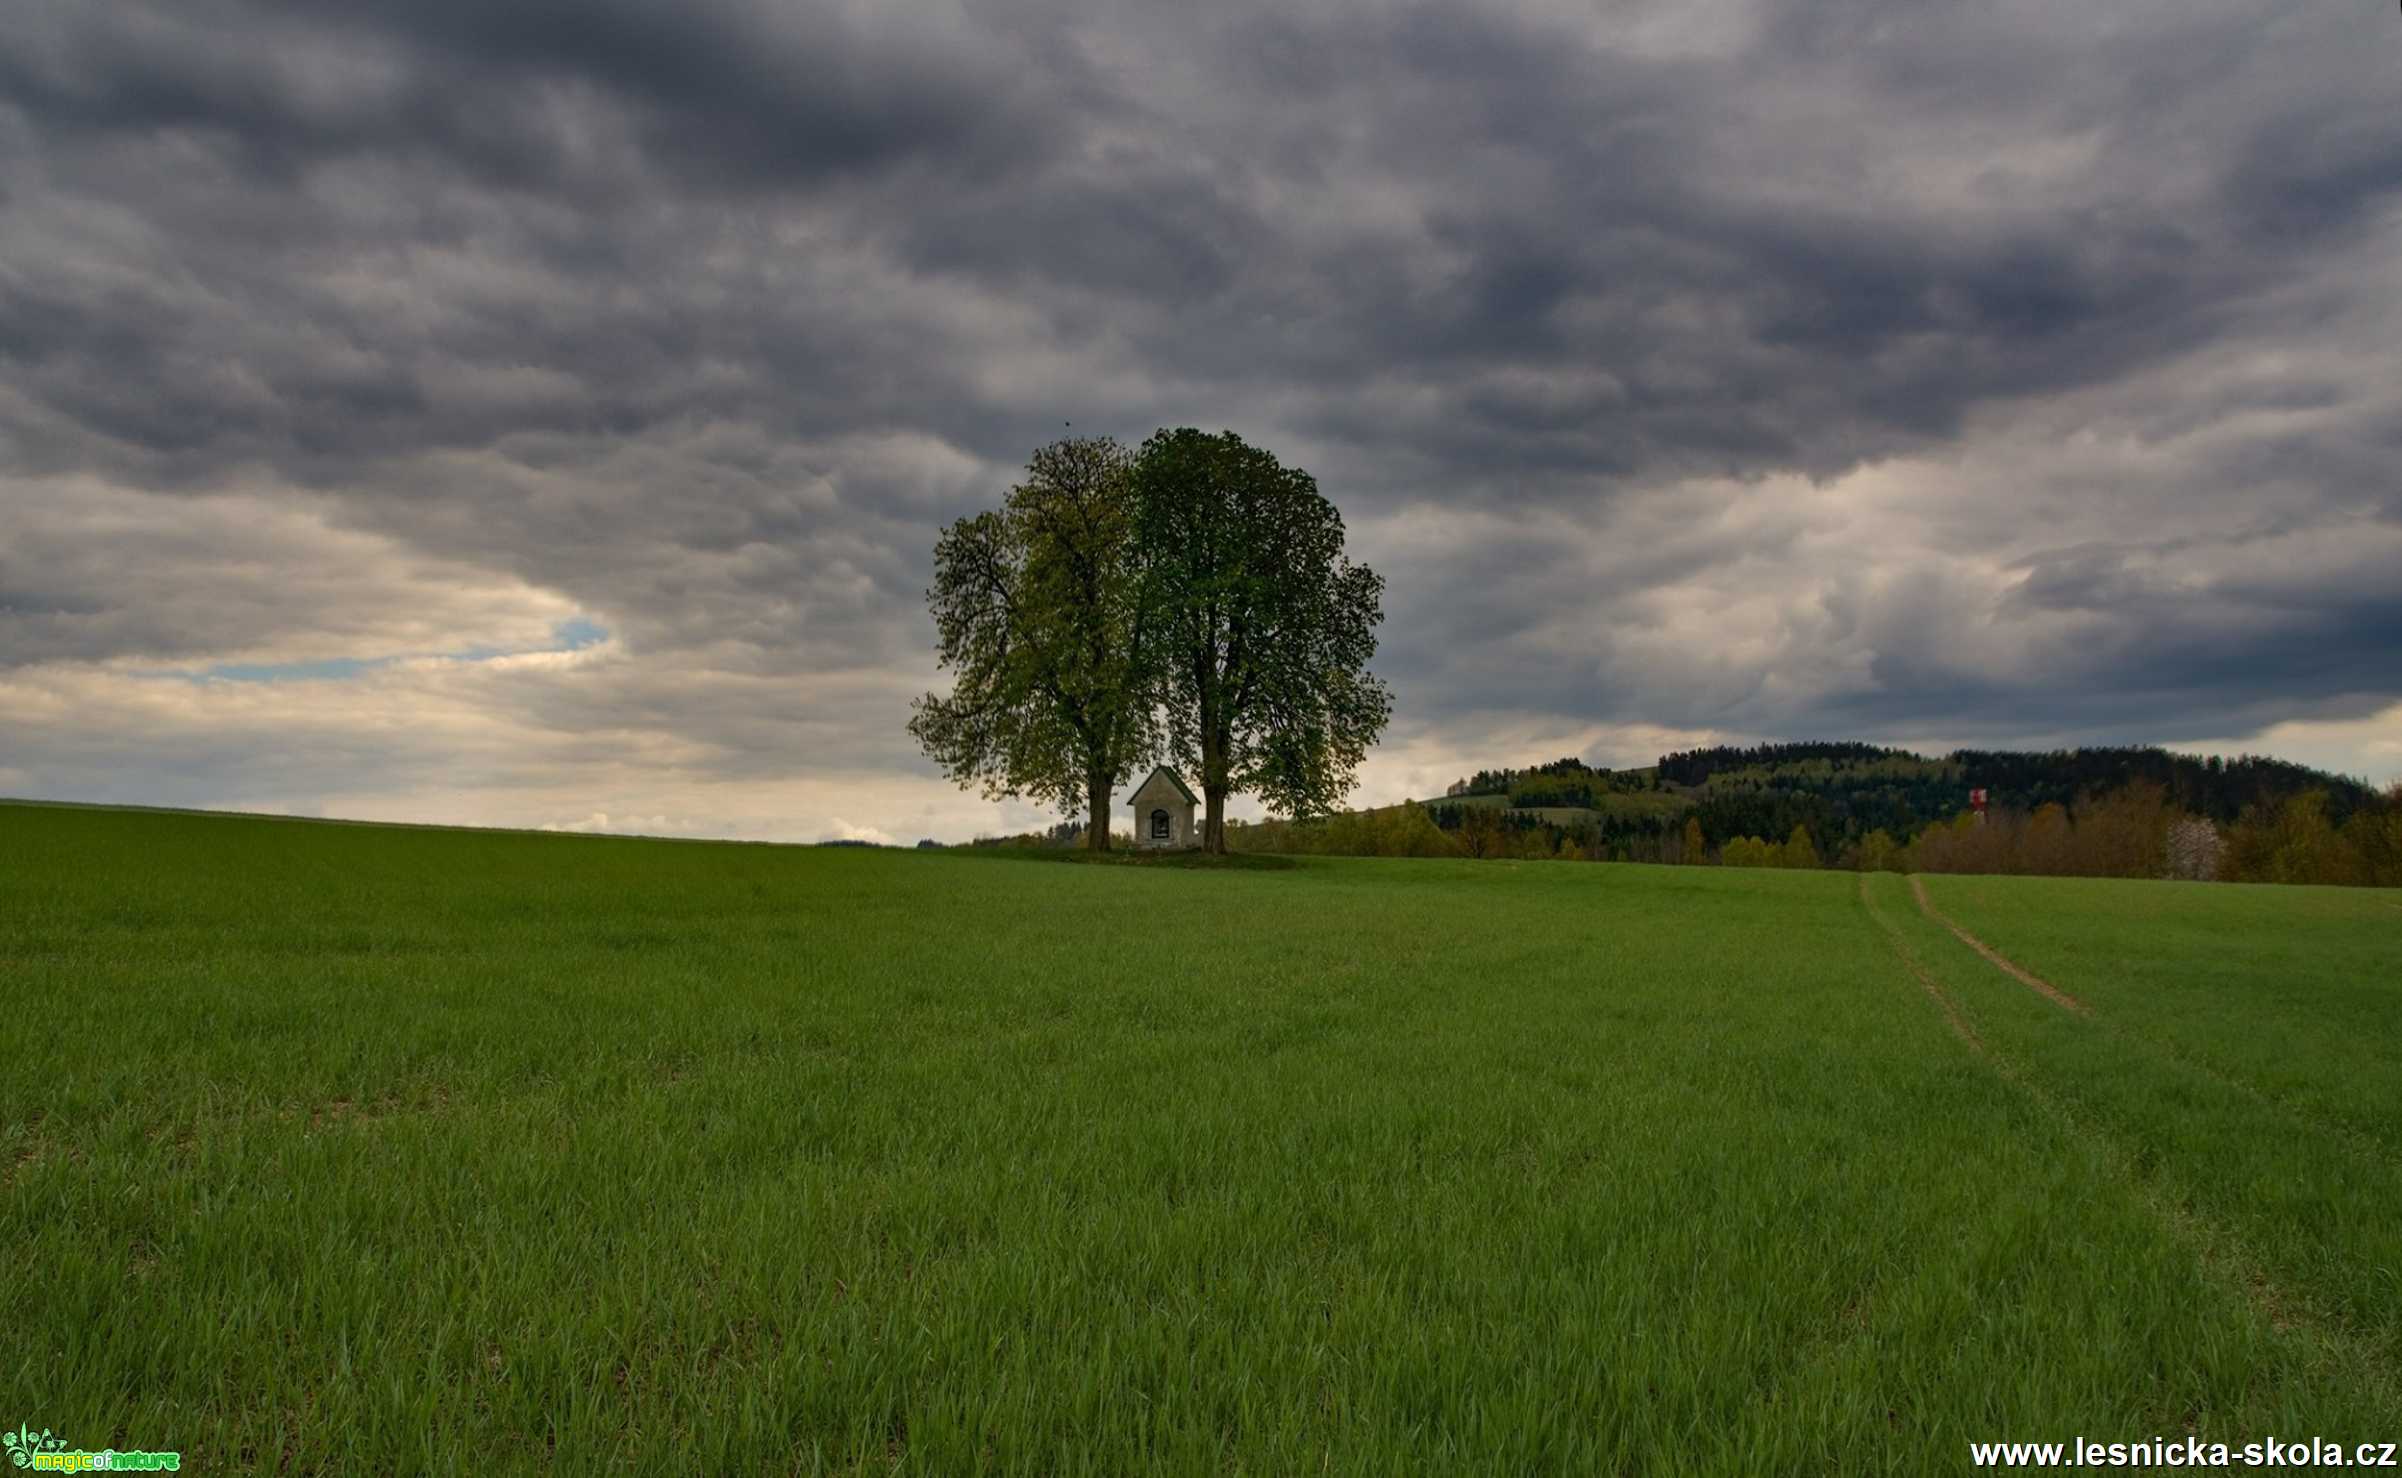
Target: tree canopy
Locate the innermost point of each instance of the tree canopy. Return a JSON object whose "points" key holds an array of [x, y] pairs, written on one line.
{"points": [[1193, 600], [1262, 627], [1037, 611]]}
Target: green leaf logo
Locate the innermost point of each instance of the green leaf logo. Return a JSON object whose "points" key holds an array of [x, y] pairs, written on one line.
{"points": [[24, 1442]]}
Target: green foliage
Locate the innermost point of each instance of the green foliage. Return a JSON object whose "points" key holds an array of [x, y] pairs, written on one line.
{"points": [[1888, 810], [1797, 852], [2374, 838], [1878, 853], [2124, 834], [1622, 805], [1843, 791], [2212, 787], [1899, 790], [1558, 779], [2296, 843], [1695, 767], [363, 1149], [1750, 852], [1621, 827], [1037, 610], [1405, 830], [1552, 792], [1265, 627]]}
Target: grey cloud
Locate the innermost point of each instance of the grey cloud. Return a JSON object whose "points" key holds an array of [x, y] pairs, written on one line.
{"points": [[703, 318], [738, 94]]}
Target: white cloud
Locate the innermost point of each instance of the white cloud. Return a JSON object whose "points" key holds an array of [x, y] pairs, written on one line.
{"points": [[2369, 748], [839, 830], [603, 822]]}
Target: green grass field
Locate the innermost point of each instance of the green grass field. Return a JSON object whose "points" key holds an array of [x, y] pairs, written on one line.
{"points": [[380, 1150]]}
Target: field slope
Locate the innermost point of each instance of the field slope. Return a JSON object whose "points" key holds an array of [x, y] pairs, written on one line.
{"points": [[387, 1150]]}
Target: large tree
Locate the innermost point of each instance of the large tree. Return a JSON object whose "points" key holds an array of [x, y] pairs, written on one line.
{"points": [[1262, 627], [1036, 607]]}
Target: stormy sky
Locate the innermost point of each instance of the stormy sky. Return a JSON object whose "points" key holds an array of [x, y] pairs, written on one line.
{"points": [[541, 414]]}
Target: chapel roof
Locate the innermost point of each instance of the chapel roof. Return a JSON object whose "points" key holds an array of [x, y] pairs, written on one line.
{"points": [[1173, 779]]}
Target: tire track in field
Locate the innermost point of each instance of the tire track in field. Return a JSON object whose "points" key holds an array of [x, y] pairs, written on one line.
{"points": [[1951, 1013], [2000, 961], [2218, 1250], [2350, 1136], [2221, 1253]]}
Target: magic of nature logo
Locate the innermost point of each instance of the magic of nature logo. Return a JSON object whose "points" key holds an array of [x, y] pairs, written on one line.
{"points": [[47, 1452]]}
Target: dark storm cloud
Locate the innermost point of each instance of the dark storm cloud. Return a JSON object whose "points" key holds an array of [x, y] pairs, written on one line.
{"points": [[701, 318], [737, 94]]}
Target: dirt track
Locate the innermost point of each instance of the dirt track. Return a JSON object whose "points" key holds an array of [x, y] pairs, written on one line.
{"points": [[2000, 961]]}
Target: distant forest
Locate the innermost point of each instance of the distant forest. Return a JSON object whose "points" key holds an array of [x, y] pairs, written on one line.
{"points": [[2126, 811]]}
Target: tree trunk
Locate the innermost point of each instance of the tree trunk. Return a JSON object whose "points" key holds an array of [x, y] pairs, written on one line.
{"points": [[1213, 787], [1096, 827]]}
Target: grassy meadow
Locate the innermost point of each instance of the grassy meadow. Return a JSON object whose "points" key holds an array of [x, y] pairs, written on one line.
{"points": [[385, 1150]]}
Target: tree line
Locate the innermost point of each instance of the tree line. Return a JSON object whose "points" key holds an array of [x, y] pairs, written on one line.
{"points": [[2211, 786], [1188, 601], [2140, 831], [1694, 767], [1867, 786], [2134, 831], [1440, 829]]}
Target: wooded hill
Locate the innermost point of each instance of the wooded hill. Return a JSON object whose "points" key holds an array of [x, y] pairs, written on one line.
{"points": [[1842, 791], [1862, 805]]}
